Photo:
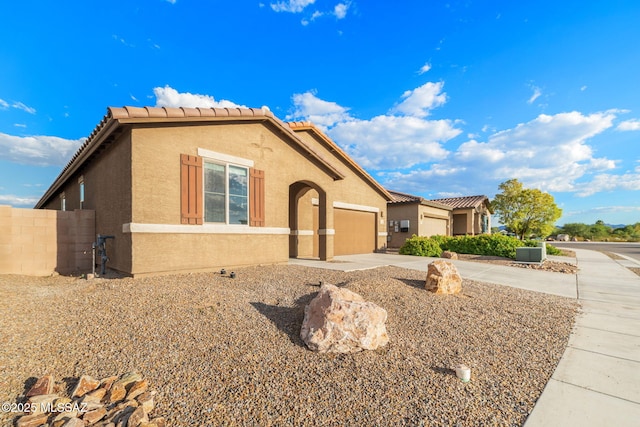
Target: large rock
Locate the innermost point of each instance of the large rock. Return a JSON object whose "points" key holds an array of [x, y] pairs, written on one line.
{"points": [[443, 278], [84, 386], [340, 321], [44, 385], [449, 255]]}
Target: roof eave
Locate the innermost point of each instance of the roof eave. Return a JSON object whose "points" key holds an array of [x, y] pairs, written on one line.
{"points": [[116, 117], [104, 129]]}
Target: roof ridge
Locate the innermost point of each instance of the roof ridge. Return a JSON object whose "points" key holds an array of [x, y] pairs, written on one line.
{"points": [[115, 114]]}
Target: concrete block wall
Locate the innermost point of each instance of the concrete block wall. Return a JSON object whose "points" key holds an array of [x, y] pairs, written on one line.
{"points": [[40, 242]]}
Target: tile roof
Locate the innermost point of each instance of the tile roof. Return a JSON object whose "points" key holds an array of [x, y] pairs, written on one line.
{"points": [[123, 113], [108, 127], [463, 202], [110, 124], [408, 198], [403, 197]]}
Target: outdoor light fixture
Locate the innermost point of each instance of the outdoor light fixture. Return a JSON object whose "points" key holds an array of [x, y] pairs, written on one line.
{"points": [[223, 271], [232, 275]]}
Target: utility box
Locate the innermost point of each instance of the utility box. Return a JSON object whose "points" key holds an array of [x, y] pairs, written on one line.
{"points": [[527, 254]]}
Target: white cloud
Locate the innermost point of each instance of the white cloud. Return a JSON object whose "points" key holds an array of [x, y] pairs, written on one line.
{"points": [[340, 10], [17, 105], [169, 97], [426, 67], [536, 94], [37, 150], [599, 210], [293, 6], [172, 1], [121, 40], [393, 142], [550, 152], [629, 125], [421, 100], [322, 113], [18, 201], [583, 88], [383, 142]]}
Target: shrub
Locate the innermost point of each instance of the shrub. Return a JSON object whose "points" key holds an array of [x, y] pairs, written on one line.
{"points": [[421, 246], [483, 244], [442, 241], [552, 250]]}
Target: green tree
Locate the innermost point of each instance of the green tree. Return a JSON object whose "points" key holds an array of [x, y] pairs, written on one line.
{"points": [[600, 231], [525, 211], [576, 229]]}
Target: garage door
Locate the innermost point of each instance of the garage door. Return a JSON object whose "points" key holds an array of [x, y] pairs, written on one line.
{"points": [[435, 226], [355, 232]]}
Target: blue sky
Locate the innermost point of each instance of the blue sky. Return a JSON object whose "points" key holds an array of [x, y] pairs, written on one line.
{"points": [[437, 99]]}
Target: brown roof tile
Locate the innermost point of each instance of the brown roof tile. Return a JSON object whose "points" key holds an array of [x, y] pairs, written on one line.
{"points": [[399, 197], [403, 197], [117, 115], [463, 202]]}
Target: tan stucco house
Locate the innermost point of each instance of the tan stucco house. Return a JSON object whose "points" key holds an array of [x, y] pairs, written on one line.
{"points": [[471, 214], [197, 189], [409, 215]]}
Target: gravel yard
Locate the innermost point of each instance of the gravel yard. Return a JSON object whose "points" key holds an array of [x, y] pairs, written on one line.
{"points": [[223, 351]]}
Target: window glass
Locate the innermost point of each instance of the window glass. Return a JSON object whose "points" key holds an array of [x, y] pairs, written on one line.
{"points": [[225, 193], [214, 192], [81, 194], [238, 190]]}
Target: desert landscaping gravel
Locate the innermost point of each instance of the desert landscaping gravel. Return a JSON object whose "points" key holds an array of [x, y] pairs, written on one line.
{"points": [[222, 351]]}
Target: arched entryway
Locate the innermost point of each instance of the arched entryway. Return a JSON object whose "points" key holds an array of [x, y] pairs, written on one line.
{"points": [[307, 217]]}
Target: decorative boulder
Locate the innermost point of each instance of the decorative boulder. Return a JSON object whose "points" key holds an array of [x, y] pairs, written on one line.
{"points": [[443, 278], [340, 321], [449, 255]]}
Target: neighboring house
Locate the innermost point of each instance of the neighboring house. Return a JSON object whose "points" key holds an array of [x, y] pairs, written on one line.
{"points": [[471, 214], [409, 215], [197, 189]]}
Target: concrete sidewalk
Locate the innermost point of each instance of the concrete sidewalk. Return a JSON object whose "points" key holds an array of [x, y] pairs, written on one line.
{"points": [[597, 382]]}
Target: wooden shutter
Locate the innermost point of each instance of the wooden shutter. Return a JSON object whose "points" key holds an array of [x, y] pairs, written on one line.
{"points": [[256, 198], [191, 206]]}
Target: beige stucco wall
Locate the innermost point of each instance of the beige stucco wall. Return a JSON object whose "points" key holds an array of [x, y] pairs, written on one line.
{"points": [[135, 182], [308, 224], [469, 221], [398, 212], [155, 175], [423, 221], [108, 189], [353, 189], [39, 242]]}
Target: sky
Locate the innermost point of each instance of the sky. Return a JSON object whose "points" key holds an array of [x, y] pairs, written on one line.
{"points": [[433, 98]]}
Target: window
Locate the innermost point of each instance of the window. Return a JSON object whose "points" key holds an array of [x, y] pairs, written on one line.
{"points": [[63, 202], [223, 189], [81, 184], [226, 195]]}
